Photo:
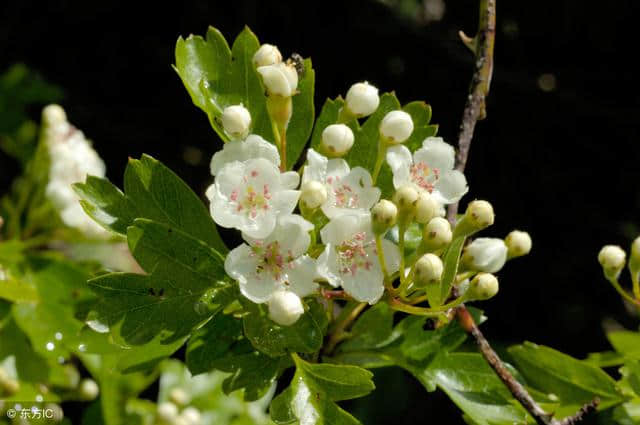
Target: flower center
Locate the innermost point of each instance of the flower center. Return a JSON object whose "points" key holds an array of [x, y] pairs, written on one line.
{"points": [[352, 255], [344, 194], [250, 200], [271, 259], [423, 176]]}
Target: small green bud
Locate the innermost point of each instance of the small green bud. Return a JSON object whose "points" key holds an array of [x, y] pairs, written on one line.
{"points": [[612, 259], [383, 216], [518, 243], [406, 199], [480, 214], [428, 270], [426, 208], [88, 389], [436, 234], [312, 194], [482, 287]]}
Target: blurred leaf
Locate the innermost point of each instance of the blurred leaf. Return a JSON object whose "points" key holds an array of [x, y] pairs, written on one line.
{"points": [[605, 359], [301, 123], [314, 390], [438, 294], [574, 382], [626, 343], [217, 77], [154, 192]]}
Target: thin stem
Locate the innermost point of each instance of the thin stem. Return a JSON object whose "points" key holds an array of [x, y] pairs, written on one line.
{"points": [[402, 228], [382, 150], [438, 309], [624, 294], [283, 148], [339, 333], [398, 305]]}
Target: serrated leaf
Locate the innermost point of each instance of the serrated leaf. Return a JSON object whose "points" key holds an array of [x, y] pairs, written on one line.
{"points": [[217, 77], [154, 192], [304, 336], [438, 294], [574, 382]]}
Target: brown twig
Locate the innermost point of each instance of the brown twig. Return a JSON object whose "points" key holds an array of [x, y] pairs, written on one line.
{"points": [[475, 109]]}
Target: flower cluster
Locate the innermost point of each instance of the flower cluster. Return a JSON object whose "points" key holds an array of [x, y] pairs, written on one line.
{"points": [[327, 226], [71, 159]]}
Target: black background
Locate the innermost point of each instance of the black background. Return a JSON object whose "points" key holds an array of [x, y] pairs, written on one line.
{"points": [[562, 165]]}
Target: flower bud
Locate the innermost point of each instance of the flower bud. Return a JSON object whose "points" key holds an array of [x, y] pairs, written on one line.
{"points": [[383, 216], [8, 385], [436, 234], [362, 99], [313, 194], [88, 389], [53, 114], [337, 139], [167, 411], [285, 308], [406, 199], [179, 397], [482, 287], [612, 259], [428, 270], [485, 255], [518, 243], [191, 416], [480, 214], [396, 127], [280, 79], [267, 55], [426, 208], [236, 121]]}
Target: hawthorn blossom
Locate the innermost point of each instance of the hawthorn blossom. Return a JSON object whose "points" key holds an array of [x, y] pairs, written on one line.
{"points": [[350, 258], [348, 190], [430, 169], [253, 146], [251, 195], [265, 266], [485, 254]]}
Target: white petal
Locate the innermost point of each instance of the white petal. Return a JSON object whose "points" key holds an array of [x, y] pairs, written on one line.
{"points": [[366, 284], [391, 256], [253, 147], [285, 201], [301, 276], [352, 192], [436, 153], [259, 227], [342, 228], [337, 167], [242, 266], [327, 264], [400, 161], [292, 232], [450, 187], [316, 168]]}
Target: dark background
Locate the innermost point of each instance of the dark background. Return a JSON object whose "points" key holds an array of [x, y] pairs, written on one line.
{"points": [[560, 163]]}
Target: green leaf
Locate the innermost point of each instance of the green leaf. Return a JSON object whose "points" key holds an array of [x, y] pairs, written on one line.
{"points": [[605, 359], [438, 294], [17, 291], [328, 115], [217, 77], [301, 122], [371, 330], [574, 382], [421, 115], [419, 343], [631, 373], [213, 341], [154, 192], [314, 390], [304, 336], [626, 343]]}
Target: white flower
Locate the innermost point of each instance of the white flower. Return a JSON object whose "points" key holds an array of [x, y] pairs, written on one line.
{"points": [[251, 195], [396, 127], [266, 55], [348, 189], [337, 139], [429, 169], [71, 159], [279, 79], [362, 99], [275, 263], [485, 254], [285, 308], [350, 258], [237, 150], [236, 121]]}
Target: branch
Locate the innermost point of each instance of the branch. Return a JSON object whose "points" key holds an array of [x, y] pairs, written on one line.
{"points": [[518, 391], [475, 109]]}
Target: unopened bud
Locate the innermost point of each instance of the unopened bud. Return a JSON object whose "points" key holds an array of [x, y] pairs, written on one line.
{"points": [[612, 259], [482, 287], [519, 243], [480, 214], [285, 308], [191, 416], [8, 385], [313, 194], [267, 55], [337, 139], [383, 216], [436, 234], [406, 199], [54, 412], [362, 99], [53, 114], [396, 127], [179, 397], [88, 389], [426, 208], [167, 412], [236, 121], [485, 255], [428, 270], [280, 79]]}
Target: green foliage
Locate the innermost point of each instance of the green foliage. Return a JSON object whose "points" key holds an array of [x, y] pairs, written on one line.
{"points": [[438, 294]]}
